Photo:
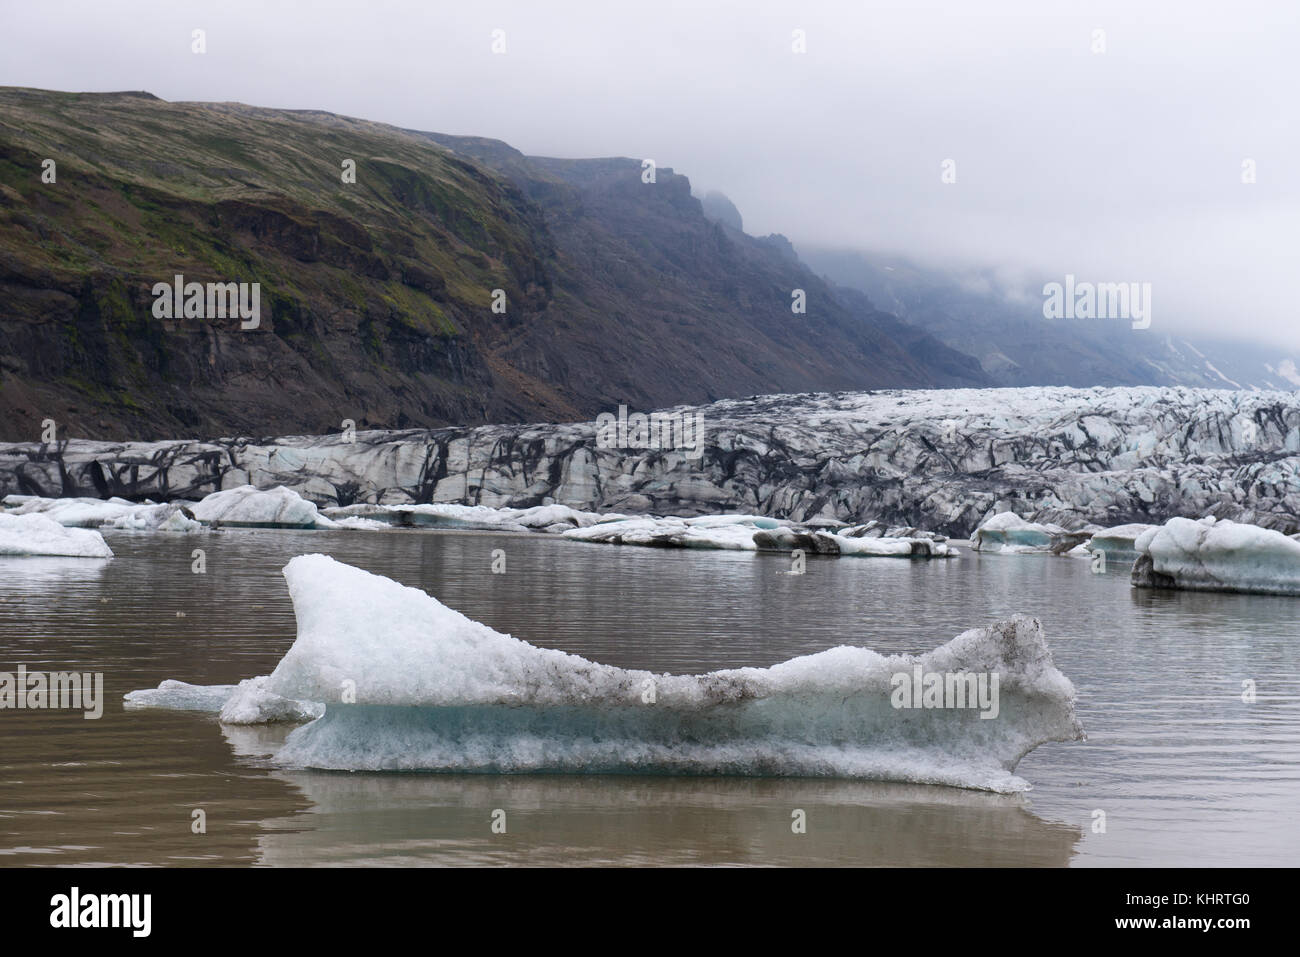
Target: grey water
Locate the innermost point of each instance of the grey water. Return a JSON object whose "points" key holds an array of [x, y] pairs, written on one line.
{"points": [[1177, 770]]}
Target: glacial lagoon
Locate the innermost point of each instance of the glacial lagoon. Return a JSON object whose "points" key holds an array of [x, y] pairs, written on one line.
{"points": [[1177, 768]]}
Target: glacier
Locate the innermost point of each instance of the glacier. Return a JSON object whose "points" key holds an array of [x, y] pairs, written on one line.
{"points": [[941, 459], [1211, 555], [406, 683]]}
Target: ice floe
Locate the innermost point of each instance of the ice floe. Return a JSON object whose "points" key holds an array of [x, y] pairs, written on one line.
{"points": [[176, 695], [1009, 534], [759, 533], [1117, 542], [1210, 555], [249, 507], [410, 684], [37, 534], [549, 518], [669, 533], [116, 513]]}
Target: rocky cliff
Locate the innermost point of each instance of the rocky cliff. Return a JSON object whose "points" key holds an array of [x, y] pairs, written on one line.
{"points": [[377, 252]]}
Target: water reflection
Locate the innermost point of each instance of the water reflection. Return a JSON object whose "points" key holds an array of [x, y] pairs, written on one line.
{"points": [[446, 819]]}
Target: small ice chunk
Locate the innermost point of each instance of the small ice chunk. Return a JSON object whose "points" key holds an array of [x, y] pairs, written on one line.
{"points": [[179, 696], [252, 703]]}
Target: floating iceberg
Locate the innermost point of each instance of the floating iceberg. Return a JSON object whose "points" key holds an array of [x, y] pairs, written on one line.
{"points": [[168, 517], [1117, 542], [180, 696], [759, 533], [36, 534], [115, 513], [889, 547], [249, 507], [73, 512], [409, 684], [719, 531], [1209, 555], [544, 518], [1009, 534]]}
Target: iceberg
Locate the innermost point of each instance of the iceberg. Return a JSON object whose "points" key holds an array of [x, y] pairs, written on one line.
{"points": [[73, 512], [721, 532], [1117, 542], [409, 684], [116, 513], [249, 507], [175, 695], [889, 546], [37, 534], [788, 539], [1210, 555], [846, 542], [545, 518], [1009, 534], [759, 533], [168, 517]]}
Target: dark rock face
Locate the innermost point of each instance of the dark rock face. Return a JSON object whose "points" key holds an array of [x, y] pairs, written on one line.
{"points": [[937, 460], [1145, 575]]}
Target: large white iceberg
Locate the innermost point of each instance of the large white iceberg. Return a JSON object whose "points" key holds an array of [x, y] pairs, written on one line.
{"points": [[1209, 555], [409, 684], [250, 507], [36, 534]]}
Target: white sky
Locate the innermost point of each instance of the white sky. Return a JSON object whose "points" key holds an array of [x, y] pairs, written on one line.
{"points": [[1122, 166]]}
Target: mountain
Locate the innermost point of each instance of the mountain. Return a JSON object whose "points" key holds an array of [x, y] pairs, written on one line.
{"points": [[1001, 323], [377, 295]]}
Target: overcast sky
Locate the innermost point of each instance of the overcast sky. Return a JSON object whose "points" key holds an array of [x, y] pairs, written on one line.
{"points": [[1117, 166]]}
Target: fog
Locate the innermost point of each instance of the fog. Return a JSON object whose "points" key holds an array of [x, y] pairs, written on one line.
{"points": [[1116, 166]]}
